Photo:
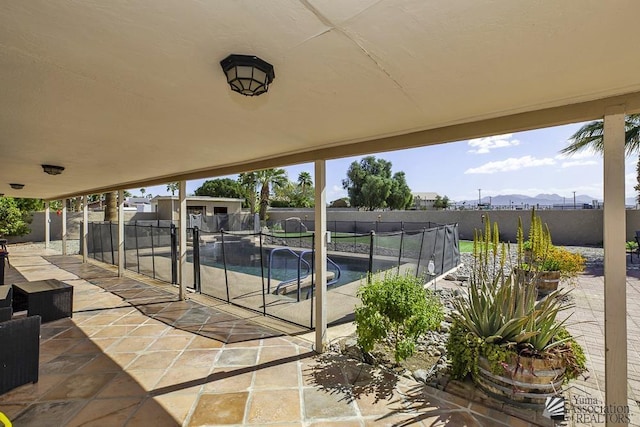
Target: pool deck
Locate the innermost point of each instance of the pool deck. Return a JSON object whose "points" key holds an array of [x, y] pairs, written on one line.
{"points": [[134, 355]]}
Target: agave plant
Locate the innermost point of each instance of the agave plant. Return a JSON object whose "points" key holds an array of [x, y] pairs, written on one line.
{"points": [[502, 308], [501, 322]]}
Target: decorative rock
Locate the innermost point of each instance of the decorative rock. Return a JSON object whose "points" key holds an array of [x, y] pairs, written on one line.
{"points": [[420, 375], [352, 349]]}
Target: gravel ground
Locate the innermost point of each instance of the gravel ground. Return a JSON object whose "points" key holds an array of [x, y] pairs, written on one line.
{"points": [[594, 258]]}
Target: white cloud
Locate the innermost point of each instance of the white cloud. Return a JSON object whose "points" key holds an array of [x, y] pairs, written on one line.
{"points": [[485, 145], [511, 164], [578, 163]]}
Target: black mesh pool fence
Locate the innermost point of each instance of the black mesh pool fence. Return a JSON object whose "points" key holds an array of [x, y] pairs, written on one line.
{"points": [[273, 272]]}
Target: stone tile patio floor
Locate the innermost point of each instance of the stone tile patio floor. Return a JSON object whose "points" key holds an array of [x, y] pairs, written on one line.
{"points": [[134, 355]]}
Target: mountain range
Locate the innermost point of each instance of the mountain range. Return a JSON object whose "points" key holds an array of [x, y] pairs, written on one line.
{"points": [[518, 200]]}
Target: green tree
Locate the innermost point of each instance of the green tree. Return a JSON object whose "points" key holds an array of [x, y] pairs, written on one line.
{"points": [[294, 195], [441, 202], [267, 179], [13, 221], [173, 187], [370, 185], [400, 196], [29, 205], [142, 191], [591, 135], [223, 187]]}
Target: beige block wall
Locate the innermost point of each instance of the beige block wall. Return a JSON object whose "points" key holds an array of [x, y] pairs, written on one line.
{"points": [[74, 219], [580, 227]]}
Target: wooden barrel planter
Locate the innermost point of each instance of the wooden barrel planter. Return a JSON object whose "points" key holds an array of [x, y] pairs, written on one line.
{"points": [[547, 281], [525, 380]]}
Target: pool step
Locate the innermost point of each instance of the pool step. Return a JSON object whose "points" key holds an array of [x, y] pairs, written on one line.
{"points": [[305, 283]]}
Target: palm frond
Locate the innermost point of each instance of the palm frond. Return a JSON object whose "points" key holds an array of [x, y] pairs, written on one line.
{"points": [[591, 135]]}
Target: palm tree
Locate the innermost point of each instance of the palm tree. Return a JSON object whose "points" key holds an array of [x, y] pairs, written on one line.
{"points": [[268, 178], [173, 187], [248, 183], [591, 136], [111, 206], [304, 180]]}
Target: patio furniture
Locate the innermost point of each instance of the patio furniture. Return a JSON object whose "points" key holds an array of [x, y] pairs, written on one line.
{"points": [[4, 255], [6, 300], [51, 299], [19, 352]]}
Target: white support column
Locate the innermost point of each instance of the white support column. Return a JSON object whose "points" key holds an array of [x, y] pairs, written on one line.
{"points": [[64, 226], [182, 236], [47, 226], [615, 266], [85, 227], [320, 260], [120, 233]]}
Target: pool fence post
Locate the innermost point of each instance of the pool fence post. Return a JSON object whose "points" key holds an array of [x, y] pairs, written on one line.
{"points": [[196, 258], [264, 298], [400, 249], [174, 255], [420, 253], [224, 264], [371, 239], [135, 229]]}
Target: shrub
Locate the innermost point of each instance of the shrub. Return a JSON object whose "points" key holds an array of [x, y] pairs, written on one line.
{"points": [[12, 221], [397, 308]]}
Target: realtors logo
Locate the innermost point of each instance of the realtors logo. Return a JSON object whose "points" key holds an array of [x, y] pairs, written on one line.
{"points": [[584, 409], [554, 408]]}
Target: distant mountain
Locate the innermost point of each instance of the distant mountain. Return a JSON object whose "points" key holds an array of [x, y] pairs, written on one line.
{"points": [[541, 200]]}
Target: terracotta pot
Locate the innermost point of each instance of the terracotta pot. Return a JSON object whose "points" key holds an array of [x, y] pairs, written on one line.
{"points": [[525, 380]]}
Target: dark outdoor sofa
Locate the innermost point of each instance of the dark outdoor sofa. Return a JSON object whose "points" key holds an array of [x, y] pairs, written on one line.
{"points": [[19, 346]]}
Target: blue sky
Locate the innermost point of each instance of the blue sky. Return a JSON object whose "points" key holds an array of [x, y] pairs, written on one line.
{"points": [[525, 163]]}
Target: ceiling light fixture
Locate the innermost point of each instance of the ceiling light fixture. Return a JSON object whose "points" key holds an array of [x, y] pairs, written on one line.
{"points": [[52, 170], [247, 74], [17, 186]]}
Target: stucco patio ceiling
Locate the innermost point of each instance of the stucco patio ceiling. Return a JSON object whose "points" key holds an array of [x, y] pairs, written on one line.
{"points": [[125, 94]]}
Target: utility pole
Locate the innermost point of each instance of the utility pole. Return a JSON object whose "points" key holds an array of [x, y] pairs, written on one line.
{"points": [[574, 200], [479, 197]]}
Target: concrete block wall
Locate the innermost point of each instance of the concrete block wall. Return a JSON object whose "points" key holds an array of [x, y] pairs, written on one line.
{"points": [[74, 219], [580, 227], [569, 227]]}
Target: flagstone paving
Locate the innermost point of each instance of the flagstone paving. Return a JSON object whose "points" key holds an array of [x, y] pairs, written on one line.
{"points": [[134, 355]]}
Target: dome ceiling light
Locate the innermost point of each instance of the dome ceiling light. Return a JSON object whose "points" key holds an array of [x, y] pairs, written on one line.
{"points": [[247, 74]]}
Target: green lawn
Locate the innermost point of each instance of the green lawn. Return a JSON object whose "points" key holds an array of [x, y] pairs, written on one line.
{"points": [[466, 246]]}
